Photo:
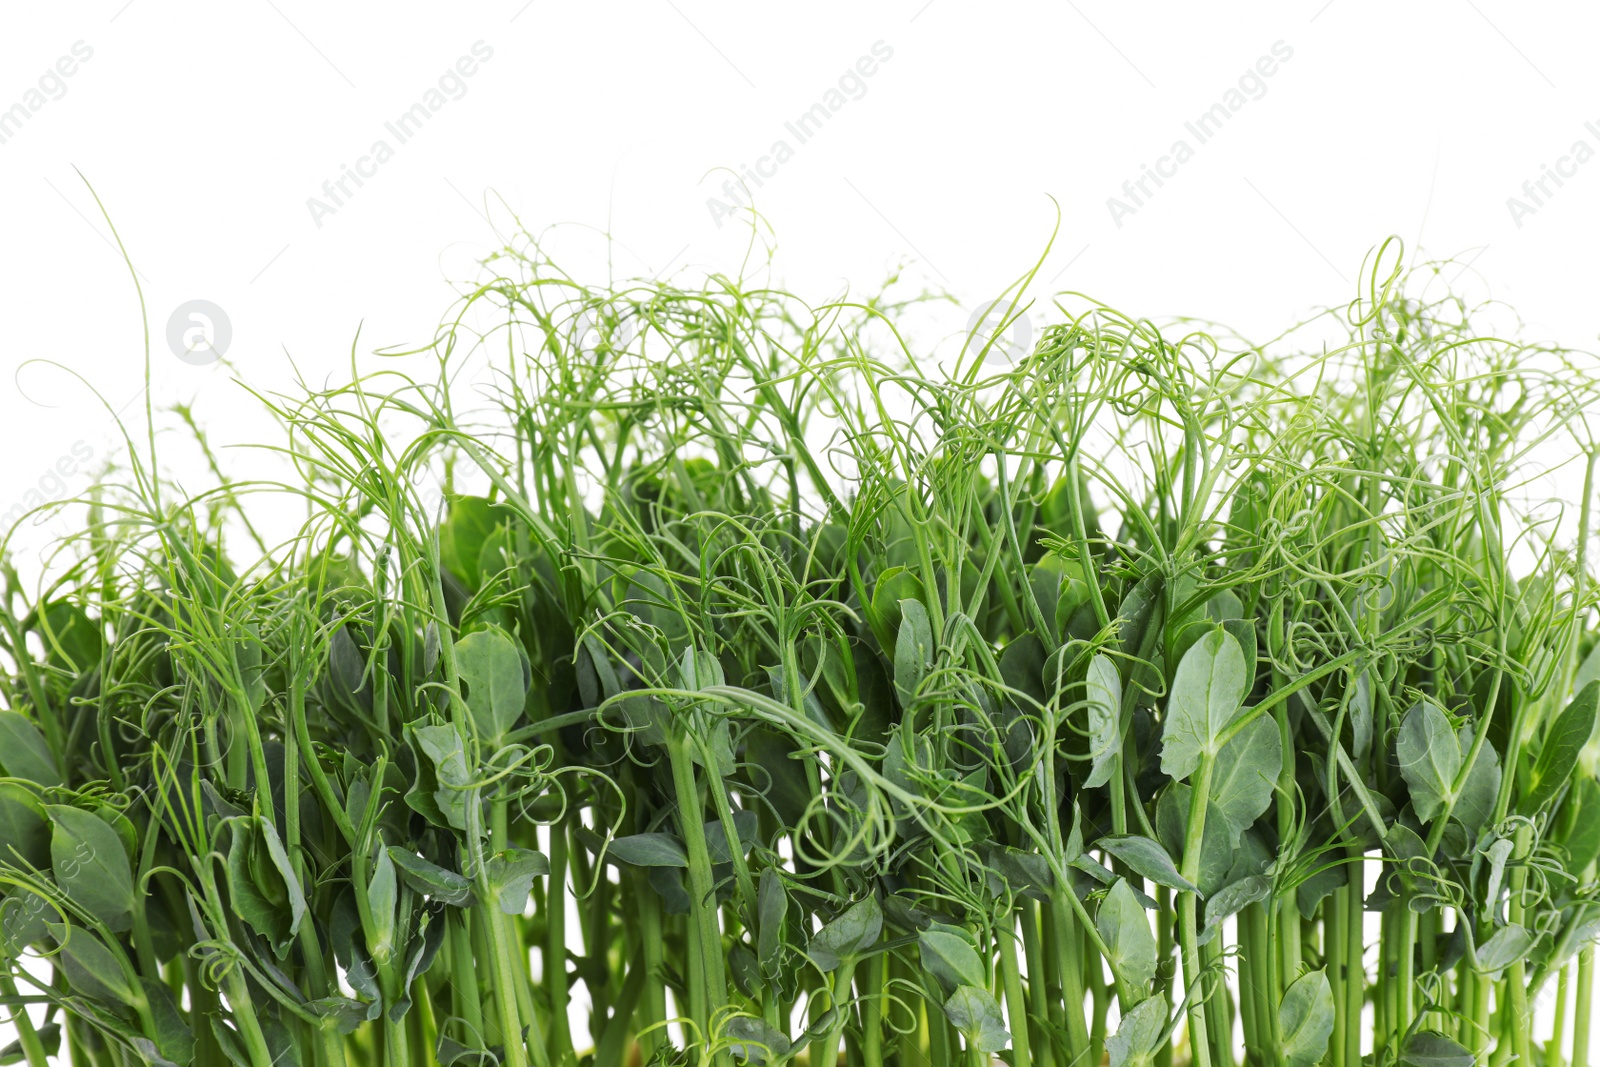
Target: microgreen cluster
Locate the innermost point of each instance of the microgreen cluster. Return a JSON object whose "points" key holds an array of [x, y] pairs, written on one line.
{"points": [[766, 687]]}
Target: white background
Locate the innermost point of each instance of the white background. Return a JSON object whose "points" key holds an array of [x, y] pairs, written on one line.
{"points": [[205, 128]]}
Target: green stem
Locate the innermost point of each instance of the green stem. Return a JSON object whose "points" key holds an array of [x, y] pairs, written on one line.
{"points": [[1258, 965], [465, 1000], [244, 1015], [1165, 922], [555, 944], [1333, 920], [1355, 965], [1044, 1009], [32, 1047], [653, 1003], [1188, 932], [1478, 1032], [1558, 1030], [1068, 944], [1405, 973], [872, 1011], [1518, 1016], [702, 902], [838, 1001], [1016, 1004], [1583, 1007]]}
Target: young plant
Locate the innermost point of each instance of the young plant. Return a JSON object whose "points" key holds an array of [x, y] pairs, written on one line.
{"points": [[759, 689]]}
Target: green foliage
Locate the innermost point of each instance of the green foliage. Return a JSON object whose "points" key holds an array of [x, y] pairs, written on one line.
{"points": [[1305, 1019], [1207, 690], [796, 691], [492, 670], [1131, 947], [847, 935]]}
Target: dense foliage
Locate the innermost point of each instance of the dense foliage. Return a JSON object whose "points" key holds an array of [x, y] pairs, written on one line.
{"points": [[775, 695]]}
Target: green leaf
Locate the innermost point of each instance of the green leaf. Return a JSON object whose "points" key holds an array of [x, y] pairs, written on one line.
{"points": [[1305, 1019], [280, 863], [1232, 899], [174, 1039], [1324, 880], [950, 957], [772, 909], [90, 865], [1027, 873], [1244, 632], [975, 1013], [282, 1047], [228, 1040], [257, 893], [442, 746], [344, 1014], [431, 647], [72, 640], [753, 1041], [430, 879], [90, 967], [654, 602], [1475, 805], [848, 935], [1125, 929], [1508, 945], [1361, 717], [24, 921], [24, 752], [1207, 690], [913, 650], [1147, 859], [699, 669], [1588, 670], [745, 971], [496, 687], [1139, 1036], [1498, 852], [498, 554], [1103, 690], [1429, 758], [346, 666], [1172, 828], [649, 850], [1246, 775], [1563, 741], [511, 874], [1582, 839], [745, 827], [1142, 606], [470, 522], [383, 892], [24, 828], [883, 610], [452, 1053], [1426, 1048]]}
